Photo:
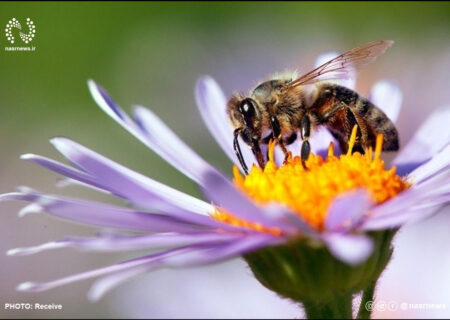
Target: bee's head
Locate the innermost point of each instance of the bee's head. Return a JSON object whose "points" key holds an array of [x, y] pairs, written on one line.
{"points": [[245, 118]]}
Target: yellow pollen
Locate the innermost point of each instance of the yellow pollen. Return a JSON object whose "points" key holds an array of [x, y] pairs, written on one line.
{"points": [[309, 193], [331, 149], [351, 143]]}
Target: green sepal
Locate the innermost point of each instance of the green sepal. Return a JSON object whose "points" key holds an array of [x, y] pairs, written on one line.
{"points": [[306, 272]]}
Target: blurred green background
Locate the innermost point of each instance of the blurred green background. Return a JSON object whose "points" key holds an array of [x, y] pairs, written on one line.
{"points": [[151, 53]]}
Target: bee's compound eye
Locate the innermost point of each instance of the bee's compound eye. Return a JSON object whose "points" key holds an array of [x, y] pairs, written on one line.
{"points": [[247, 108]]}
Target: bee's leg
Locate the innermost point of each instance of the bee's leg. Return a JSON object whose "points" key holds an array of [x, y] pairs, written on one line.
{"points": [[266, 141], [276, 133], [285, 142], [237, 150], [338, 102], [305, 131], [258, 154], [276, 129]]}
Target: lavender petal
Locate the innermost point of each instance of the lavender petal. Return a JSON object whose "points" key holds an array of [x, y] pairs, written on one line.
{"points": [[388, 97], [98, 214], [211, 103], [419, 201], [36, 249], [190, 255], [212, 254], [320, 141], [169, 146], [142, 130], [410, 216], [62, 169], [223, 194], [433, 187], [106, 283], [347, 210], [194, 257], [350, 248], [149, 194], [148, 260], [440, 162], [131, 242], [136, 187], [432, 137], [69, 182]]}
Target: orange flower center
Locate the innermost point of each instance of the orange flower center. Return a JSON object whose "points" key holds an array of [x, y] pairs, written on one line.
{"points": [[309, 193]]}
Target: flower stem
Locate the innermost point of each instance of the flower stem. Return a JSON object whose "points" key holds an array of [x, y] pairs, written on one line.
{"points": [[366, 306], [338, 308]]}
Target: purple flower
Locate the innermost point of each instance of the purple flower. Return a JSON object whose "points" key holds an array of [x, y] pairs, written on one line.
{"points": [[183, 228]]}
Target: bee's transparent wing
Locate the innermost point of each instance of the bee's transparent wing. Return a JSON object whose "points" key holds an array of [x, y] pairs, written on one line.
{"points": [[343, 65]]}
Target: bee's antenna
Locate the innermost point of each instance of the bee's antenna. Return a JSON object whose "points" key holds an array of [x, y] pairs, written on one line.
{"points": [[237, 150]]}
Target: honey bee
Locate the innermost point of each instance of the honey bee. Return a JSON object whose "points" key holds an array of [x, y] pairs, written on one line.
{"points": [[286, 106]]}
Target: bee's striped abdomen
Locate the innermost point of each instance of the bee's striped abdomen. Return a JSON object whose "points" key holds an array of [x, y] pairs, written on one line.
{"points": [[377, 123], [333, 99]]}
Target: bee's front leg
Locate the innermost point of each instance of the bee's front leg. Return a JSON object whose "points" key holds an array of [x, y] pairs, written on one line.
{"points": [[258, 154]]}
